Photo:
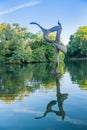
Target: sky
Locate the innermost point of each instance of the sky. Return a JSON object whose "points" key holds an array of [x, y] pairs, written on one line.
{"points": [[72, 14]]}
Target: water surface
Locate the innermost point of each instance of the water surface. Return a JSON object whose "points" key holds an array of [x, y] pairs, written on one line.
{"points": [[32, 98]]}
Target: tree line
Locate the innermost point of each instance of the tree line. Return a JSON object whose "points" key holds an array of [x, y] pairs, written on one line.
{"points": [[18, 45]]}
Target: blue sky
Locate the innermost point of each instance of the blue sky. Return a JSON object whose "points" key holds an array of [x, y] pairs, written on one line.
{"points": [[71, 13]]}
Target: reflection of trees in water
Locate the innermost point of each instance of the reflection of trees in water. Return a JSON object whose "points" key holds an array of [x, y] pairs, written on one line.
{"points": [[78, 72], [17, 81]]}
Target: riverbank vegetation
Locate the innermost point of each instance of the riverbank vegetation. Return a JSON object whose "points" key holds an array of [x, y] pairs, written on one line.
{"points": [[17, 45], [77, 47]]}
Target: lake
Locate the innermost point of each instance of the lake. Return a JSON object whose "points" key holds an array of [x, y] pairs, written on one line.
{"points": [[33, 98]]}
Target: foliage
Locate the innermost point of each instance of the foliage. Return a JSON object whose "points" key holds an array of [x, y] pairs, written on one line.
{"points": [[77, 46], [17, 45], [13, 43], [42, 51]]}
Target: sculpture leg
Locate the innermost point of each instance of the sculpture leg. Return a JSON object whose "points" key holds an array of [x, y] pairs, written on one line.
{"points": [[57, 54], [57, 59]]}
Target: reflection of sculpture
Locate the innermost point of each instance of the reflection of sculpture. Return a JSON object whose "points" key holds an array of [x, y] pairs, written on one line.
{"points": [[60, 99], [58, 47], [56, 42]]}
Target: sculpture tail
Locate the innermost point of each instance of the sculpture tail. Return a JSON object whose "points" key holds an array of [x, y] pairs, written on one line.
{"points": [[43, 29], [59, 24]]}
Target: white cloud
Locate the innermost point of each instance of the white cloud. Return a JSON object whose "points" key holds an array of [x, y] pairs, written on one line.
{"points": [[10, 10]]}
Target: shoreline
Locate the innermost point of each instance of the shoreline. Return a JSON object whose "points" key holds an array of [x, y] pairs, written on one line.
{"points": [[74, 59]]}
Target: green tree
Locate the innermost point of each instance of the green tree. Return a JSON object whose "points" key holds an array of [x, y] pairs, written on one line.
{"points": [[77, 46], [13, 43]]}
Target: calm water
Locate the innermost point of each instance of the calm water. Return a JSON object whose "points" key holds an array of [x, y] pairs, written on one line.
{"points": [[32, 98]]}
